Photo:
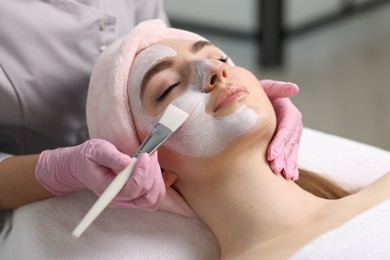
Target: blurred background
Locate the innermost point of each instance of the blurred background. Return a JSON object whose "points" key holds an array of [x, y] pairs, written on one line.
{"points": [[337, 51]]}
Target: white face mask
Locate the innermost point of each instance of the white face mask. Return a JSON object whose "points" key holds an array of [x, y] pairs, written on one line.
{"points": [[202, 135]]}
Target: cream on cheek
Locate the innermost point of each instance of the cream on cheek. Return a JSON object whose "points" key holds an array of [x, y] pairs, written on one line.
{"points": [[202, 135]]}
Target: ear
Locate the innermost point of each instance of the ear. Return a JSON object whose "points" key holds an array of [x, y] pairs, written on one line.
{"points": [[169, 177]]}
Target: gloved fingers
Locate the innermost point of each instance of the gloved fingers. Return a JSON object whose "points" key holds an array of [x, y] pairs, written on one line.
{"points": [[291, 165], [277, 164], [145, 173], [286, 112], [140, 181], [291, 171], [145, 188], [155, 194], [291, 174], [293, 143], [288, 169], [278, 144], [283, 150], [98, 179], [139, 203], [154, 164], [279, 89], [94, 175], [150, 200], [289, 156], [106, 154], [289, 120]]}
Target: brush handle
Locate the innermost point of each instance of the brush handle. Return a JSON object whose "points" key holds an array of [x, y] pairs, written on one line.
{"points": [[107, 196]]}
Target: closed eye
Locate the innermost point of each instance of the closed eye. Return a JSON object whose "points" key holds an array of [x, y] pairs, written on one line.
{"points": [[167, 91], [224, 59]]}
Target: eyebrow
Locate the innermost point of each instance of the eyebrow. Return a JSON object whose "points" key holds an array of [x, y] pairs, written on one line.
{"points": [[156, 68], [167, 63], [199, 45]]}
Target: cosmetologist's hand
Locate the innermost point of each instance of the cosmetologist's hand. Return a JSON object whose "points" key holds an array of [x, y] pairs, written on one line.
{"points": [[93, 165], [283, 150]]}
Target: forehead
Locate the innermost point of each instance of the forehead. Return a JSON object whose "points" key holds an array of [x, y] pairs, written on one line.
{"points": [[177, 43], [186, 45], [169, 48], [162, 49]]}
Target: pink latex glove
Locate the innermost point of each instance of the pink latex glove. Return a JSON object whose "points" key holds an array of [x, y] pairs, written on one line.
{"points": [[93, 165], [283, 150]]}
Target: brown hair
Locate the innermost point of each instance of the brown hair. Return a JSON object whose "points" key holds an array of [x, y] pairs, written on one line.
{"points": [[319, 186]]}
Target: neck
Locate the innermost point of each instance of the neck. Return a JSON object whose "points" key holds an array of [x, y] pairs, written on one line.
{"points": [[246, 204]]}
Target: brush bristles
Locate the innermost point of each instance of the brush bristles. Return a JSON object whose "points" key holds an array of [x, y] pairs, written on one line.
{"points": [[173, 117]]}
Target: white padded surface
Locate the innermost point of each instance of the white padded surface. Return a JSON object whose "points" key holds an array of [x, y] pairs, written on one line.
{"points": [[351, 164], [366, 236]]}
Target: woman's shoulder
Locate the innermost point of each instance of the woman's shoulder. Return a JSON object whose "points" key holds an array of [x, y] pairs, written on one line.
{"points": [[376, 192], [334, 215]]}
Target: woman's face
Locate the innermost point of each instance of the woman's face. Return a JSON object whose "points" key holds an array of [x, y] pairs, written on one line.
{"points": [[225, 101]]}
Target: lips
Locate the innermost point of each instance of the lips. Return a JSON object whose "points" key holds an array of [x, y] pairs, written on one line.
{"points": [[229, 95]]}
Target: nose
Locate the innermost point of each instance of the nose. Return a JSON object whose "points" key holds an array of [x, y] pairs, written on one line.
{"points": [[207, 73], [217, 75]]}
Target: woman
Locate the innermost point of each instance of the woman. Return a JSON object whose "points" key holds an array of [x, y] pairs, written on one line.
{"points": [[217, 161], [42, 107]]}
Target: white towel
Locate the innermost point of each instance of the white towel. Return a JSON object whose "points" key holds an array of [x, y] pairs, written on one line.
{"points": [[42, 230], [366, 236]]}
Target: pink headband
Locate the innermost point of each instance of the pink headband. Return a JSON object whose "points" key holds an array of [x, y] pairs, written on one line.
{"points": [[108, 111]]}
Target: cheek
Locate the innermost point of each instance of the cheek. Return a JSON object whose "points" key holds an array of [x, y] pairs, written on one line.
{"points": [[257, 99], [244, 77]]}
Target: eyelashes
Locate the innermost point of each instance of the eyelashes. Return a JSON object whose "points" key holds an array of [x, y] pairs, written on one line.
{"points": [[224, 59], [166, 92]]}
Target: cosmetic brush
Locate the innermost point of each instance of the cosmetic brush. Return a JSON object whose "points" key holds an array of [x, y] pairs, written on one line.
{"points": [[170, 121]]}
